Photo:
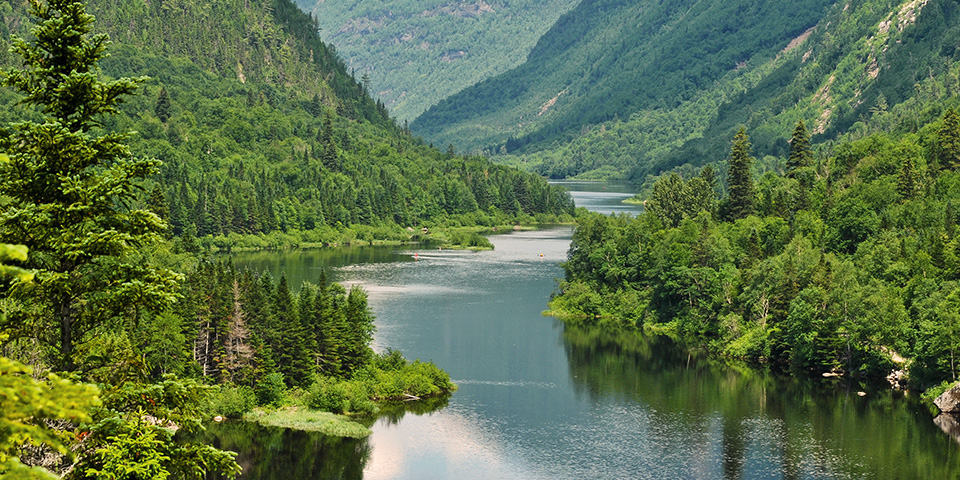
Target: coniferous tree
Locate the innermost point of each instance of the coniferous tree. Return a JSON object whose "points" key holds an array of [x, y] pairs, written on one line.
{"points": [[359, 332], [162, 109], [908, 182], [742, 191], [68, 187], [157, 203], [292, 355], [329, 155], [800, 154], [948, 141]]}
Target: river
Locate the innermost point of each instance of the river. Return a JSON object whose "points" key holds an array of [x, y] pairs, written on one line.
{"points": [[540, 401]]}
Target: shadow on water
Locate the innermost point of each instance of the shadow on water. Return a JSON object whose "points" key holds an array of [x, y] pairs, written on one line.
{"points": [[804, 427], [272, 453]]}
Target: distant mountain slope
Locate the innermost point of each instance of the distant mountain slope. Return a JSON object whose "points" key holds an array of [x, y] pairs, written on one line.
{"points": [[418, 52], [262, 130], [845, 75], [610, 58]]}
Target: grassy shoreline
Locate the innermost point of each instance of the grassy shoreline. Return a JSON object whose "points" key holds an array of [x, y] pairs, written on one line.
{"points": [[301, 418]]}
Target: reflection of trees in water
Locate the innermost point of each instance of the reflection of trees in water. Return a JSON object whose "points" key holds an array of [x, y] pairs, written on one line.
{"points": [[271, 453], [391, 413], [806, 426]]}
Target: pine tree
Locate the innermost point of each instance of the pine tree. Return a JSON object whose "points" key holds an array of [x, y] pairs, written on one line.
{"points": [[908, 182], [157, 203], [292, 355], [800, 154], [948, 141], [162, 109], [68, 189], [329, 155], [741, 200], [360, 330]]}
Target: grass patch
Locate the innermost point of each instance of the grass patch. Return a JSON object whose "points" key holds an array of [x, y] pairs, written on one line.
{"points": [[299, 418]]}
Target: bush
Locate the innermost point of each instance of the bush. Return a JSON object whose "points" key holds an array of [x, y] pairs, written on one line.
{"points": [[328, 395], [270, 390], [232, 401]]}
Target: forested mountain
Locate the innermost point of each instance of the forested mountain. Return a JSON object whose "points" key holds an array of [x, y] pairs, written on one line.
{"points": [[609, 58], [831, 64], [261, 129], [417, 53]]}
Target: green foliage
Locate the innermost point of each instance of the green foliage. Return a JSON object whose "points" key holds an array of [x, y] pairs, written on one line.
{"points": [[948, 141], [290, 150], [329, 396], [233, 401], [69, 186], [132, 434], [846, 279], [742, 192], [417, 53], [610, 59], [270, 389], [26, 404], [851, 75]]}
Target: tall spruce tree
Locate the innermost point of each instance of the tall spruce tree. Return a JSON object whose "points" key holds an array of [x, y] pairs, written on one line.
{"points": [[908, 181], [800, 154], [741, 201], [948, 141], [68, 190], [162, 109]]}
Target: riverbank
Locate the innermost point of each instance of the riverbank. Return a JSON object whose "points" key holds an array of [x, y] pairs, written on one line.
{"points": [[455, 236]]}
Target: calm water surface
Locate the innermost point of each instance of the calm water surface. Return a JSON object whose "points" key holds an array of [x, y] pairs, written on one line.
{"points": [[538, 401]]}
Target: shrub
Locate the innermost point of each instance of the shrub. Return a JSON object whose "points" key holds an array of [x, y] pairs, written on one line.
{"points": [[232, 401], [270, 390], [328, 395]]}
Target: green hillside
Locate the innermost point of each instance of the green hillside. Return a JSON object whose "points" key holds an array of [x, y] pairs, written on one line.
{"points": [[417, 53], [610, 58], [859, 61], [261, 130]]}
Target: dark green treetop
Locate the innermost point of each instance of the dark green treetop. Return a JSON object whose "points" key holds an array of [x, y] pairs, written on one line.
{"points": [[800, 154], [948, 141], [742, 191]]}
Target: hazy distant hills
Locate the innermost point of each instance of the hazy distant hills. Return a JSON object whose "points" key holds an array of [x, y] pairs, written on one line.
{"points": [[416, 53]]}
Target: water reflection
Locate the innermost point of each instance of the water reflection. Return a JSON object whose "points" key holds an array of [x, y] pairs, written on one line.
{"points": [[739, 422], [270, 453]]}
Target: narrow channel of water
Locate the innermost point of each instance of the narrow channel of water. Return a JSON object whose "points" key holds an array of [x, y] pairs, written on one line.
{"points": [[538, 401]]}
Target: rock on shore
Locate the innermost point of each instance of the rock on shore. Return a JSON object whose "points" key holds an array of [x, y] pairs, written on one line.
{"points": [[949, 402]]}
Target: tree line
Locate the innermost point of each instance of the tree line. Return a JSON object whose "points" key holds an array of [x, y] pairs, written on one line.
{"points": [[847, 261]]}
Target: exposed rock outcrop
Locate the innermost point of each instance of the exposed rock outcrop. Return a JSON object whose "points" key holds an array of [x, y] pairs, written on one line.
{"points": [[949, 402]]}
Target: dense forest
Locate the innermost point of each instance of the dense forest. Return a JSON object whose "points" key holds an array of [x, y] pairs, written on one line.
{"points": [[858, 60], [847, 261], [261, 131], [415, 54], [610, 58]]}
